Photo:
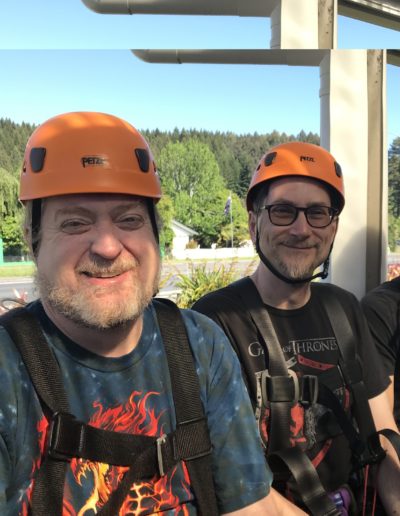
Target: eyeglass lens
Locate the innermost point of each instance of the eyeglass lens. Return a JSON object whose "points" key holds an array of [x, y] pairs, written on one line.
{"points": [[286, 214]]}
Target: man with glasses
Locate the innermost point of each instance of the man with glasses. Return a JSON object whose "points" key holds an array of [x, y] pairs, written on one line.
{"points": [[288, 333]]}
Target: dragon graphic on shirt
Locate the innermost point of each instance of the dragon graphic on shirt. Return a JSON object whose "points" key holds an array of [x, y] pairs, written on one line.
{"points": [[153, 496]]}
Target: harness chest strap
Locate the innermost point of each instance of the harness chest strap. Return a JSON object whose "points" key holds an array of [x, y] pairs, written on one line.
{"points": [[281, 456], [280, 389], [70, 438], [146, 456]]}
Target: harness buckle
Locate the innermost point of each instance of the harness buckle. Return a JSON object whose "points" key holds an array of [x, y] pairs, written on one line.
{"points": [[309, 389], [160, 442], [279, 388], [65, 434]]}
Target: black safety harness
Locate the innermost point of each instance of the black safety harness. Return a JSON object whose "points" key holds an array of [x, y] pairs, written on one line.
{"points": [[281, 389], [146, 457]]}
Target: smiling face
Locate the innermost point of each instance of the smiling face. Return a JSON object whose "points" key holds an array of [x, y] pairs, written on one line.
{"points": [[295, 250], [98, 262]]}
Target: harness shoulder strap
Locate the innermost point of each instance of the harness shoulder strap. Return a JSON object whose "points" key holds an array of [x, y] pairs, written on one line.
{"points": [[352, 372], [39, 360], [187, 400], [43, 369], [279, 428], [281, 456]]}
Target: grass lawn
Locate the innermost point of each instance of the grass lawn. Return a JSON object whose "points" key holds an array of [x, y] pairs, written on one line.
{"points": [[11, 270]]}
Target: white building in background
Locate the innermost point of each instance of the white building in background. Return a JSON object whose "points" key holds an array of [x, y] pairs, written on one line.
{"points": [[182, 235]]}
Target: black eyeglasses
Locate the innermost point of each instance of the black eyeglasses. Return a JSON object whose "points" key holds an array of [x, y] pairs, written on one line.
{"points": [[286, 214]]}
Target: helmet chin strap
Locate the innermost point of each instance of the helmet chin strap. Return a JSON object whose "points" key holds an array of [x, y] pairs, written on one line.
{"points": [[322, 274]]}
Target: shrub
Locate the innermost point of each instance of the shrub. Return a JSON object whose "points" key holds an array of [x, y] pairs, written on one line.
{"points": [[192, 244], [203, 278]]}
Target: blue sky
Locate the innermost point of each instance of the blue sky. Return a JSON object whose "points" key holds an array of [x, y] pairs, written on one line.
{"points": [[36, 84], [70, 24]]}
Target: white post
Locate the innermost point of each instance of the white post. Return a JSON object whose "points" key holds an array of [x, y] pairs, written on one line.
{"points": [[294, 24], [344, 132]]}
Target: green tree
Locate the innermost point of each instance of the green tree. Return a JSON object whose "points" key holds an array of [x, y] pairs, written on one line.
{"points": [[13, 138], [394, 178], [190, 176], [12, 234], [166, 210], [394, 232], [8, 194], [394, 193]]}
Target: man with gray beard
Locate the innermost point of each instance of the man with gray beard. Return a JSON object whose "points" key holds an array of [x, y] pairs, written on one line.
{"points": [[114, 403], [301, 342]]}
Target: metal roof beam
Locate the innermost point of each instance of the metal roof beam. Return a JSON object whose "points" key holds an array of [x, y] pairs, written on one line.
{"points": [[260, 8], [378, 12], [255, 57]]}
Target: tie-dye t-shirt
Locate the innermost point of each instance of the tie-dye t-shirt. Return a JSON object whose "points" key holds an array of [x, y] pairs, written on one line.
{"points": [[130, 394]]}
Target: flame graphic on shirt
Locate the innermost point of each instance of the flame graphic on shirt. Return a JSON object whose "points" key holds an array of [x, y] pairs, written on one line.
{"points": [[153, 496]]}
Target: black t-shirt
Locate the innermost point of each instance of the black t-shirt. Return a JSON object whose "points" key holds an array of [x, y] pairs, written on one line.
{"points": [[382, 309], [309, 346]]}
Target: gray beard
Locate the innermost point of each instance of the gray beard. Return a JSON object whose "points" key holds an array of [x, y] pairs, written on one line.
{"points": [[296, 272], [84, 307]]}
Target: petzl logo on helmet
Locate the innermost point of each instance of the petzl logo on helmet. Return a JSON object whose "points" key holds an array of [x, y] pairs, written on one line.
{"points": [[94, 161], [307, 158]]}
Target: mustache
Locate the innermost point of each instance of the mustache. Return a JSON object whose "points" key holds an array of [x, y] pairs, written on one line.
{"points": [[298, 242], [99, 266]]}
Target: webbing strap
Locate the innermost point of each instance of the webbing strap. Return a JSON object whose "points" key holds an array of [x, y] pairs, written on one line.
{"points": [[69, 437], [308, 484], [352, 373], [280, 412], [349, 364], [297, 462], [187, 400], [393, 437], [134, 474], [328, 399], [43, 369], [40, 361]]}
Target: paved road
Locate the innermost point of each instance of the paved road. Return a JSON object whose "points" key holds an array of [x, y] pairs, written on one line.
{"points": [[7, 287], [168, 282]]}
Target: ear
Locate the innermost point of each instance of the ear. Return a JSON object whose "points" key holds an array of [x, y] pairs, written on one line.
{"points": [[252, 226]]}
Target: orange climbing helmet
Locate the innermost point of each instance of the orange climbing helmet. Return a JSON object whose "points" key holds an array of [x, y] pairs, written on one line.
{"points": [[88, 152], [298, 159]]}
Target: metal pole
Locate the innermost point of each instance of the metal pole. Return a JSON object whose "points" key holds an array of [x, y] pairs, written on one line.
{"points": [[230, 195]]}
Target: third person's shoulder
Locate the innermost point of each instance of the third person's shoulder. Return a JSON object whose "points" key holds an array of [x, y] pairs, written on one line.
{"points": [[386, 293]]}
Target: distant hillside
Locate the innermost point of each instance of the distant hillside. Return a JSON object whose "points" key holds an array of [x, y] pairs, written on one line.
{"points": [[237, 155], [13, 138]]}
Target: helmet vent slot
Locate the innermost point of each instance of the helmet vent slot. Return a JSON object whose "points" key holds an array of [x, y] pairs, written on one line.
{"points": [[143, 159], [269, 158], [338, 169], [36, 158]]}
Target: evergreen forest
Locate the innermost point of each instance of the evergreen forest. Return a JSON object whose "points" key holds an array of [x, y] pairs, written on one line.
{"points": [[199, 170]]}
